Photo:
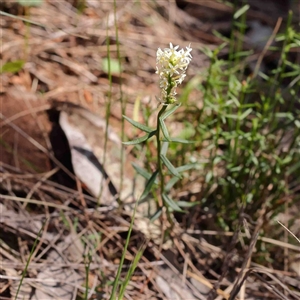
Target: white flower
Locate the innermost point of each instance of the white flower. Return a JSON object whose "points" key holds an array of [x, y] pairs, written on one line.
{"points": [[171, 65]]}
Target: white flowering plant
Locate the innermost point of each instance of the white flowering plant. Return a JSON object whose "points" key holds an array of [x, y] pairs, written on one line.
{"points": [[171, 65]]}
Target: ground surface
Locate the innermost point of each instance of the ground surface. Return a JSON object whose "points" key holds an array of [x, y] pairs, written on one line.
{"points": [[64, 51]]}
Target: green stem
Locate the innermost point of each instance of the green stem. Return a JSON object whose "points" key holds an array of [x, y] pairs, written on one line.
{"points": [[159, 163], [122, 100]]}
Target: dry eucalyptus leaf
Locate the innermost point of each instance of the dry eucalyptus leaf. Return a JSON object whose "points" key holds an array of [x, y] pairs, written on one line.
{"points": [[86, 166], [95, 167]]}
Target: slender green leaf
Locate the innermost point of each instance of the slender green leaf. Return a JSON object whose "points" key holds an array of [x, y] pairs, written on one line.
{"points": [[245, 114], [138, 125], [187, 204], [185, 167], [164, 148], [118, 275], [149, 185], [137, 141], [293, 168], [164, 129], [231, 116], [130, 272], [208, 176], [141, 139], [297, 123], [156, 215], [287, 115], [141, 171], [171, 183], [169, 165], [30, 2], [181, 141], [171, 203], [37, 239], [241, 11], [170, 111]]}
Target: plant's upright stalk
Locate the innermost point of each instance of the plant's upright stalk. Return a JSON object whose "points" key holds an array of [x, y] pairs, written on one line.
{"points": [[171, 65], [159, 162], [123, 103]]}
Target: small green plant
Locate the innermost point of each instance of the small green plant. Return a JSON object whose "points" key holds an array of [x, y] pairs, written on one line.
{"points": [[171, 67], [12, 66], [30, 2], [248, 128]]}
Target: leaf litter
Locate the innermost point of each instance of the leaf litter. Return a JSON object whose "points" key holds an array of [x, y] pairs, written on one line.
{"points": [[66, 61]]}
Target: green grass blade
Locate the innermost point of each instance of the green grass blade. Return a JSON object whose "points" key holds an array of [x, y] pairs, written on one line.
{"points": [[116, 281], [241, 11], [29, 259], [131, 271], [245, 114], [87, 272]]}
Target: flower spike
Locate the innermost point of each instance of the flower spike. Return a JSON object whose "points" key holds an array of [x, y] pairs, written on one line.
{"points": [[171, 65]]}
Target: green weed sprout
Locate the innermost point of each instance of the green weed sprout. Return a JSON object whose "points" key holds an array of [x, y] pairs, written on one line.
{"points": [[171, 65]]}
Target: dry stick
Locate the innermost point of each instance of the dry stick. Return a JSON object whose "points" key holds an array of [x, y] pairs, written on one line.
{"points": [[285, 250], [261, 238], [243, 273], [243, 287], [80, 193], [271, 286], [41, 240], [40, 181], [186, 272], [267, 46], [38, 202], [288, 231]]}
